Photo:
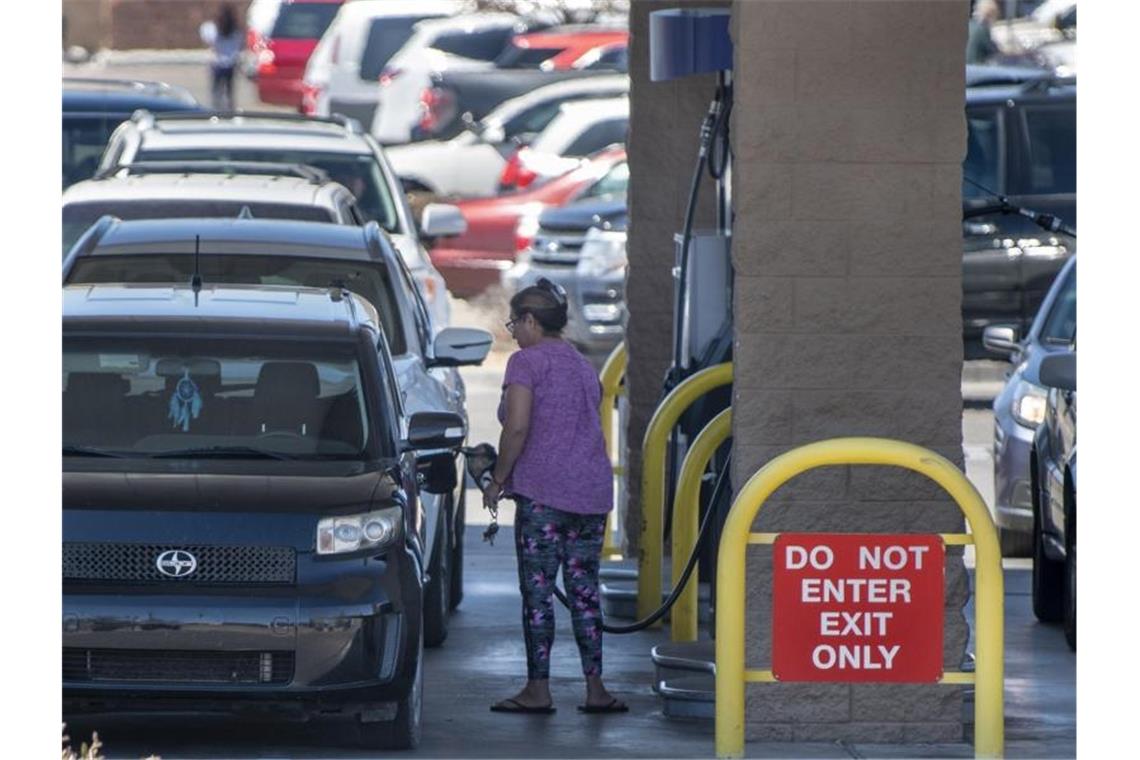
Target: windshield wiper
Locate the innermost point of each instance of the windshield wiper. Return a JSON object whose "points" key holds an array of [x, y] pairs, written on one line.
{"points": [[222, 452], [71, 450]]}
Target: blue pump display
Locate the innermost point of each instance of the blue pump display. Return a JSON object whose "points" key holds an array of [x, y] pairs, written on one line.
{"points": [[687, 41]]}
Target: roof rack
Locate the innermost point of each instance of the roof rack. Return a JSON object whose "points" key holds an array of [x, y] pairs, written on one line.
{"points": [[1046, 83], [132, 84], [351, 125], [268, 168]]}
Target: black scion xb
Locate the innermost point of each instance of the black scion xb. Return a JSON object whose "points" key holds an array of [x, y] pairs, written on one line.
{"points": [[241, 528]]}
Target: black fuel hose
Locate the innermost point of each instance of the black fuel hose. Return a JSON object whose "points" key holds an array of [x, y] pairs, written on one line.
{"points": [[690, 565]]}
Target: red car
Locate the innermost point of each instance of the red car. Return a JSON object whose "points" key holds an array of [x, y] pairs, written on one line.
{"points": [[499, 228], [559, 48], [283, 53]]}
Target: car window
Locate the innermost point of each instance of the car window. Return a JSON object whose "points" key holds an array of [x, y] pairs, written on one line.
{"points": [[84, 138], [612, 59], [1051, 134], [515, 57], [534, 119], [597, 137], [613, 185], [386, 36], [1061, 324], [77, 217], [183, 396], [420, 316], [371, 282], [358, 172], [481, 45], [984, 153], [303, 21]]}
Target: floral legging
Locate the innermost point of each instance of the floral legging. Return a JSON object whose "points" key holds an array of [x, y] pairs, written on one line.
{"points": [[546, 539]]}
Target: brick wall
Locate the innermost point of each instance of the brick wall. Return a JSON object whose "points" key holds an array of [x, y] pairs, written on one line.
{"points": [[141, 24], [848, 132]]}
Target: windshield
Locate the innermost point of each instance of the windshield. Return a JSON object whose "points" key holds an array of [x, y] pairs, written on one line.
{"points": [[77, 217], [359, 172], [303, 21], [196, 398], [612, 186], [1061, 325], [385, 37], [369, 281], [516, 57]]}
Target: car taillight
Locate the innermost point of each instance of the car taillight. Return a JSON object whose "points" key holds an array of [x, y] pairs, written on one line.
{"points": [[310, 94], [437, 108], [515, 174], [525, 231], [266, 60], [388, 75]]}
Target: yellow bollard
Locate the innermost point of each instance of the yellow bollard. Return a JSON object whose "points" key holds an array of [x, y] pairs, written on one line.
{"points": [[611, 376], [653, 479], [731, 675], [686, 522]]}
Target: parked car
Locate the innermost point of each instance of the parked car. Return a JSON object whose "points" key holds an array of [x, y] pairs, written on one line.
{"points": [[283, 54], [336, 145], [235, 474], [469, 164], [581, 246], [563, 47], [1020, 407], [468, 42], [1021, 144], [499, 228], [1055, 498], [343, 71], [299, 254], [456, 98], [169, 190], [92, 108], [580, 129]]}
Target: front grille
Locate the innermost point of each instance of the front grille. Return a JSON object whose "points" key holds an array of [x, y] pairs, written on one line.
{"points": [[173, 666], [557, 248], [137, 563]]}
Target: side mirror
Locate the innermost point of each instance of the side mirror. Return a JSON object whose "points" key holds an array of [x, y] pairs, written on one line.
{"points": [[442, 220], [1001, 339], [472, 125], [1059, 371], [428, 431], [460, 347]]}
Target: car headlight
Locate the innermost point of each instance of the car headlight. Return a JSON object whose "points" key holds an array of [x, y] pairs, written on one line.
{"points": [[1028, 406], [603, 253], [352, 533]]}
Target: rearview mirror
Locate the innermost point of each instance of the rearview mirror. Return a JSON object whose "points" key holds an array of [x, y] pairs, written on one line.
{"points": [[460, 347], [1001, 339], [442, 220], [1059, 371], [429, 431]]}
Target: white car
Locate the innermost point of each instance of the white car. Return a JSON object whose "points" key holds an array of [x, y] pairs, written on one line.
{"points": [[466, 42], [343, 71], [259, 19], [580, 129], [470, 164]]}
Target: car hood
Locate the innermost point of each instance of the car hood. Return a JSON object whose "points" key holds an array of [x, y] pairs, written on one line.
{"points": [[604, 213]]}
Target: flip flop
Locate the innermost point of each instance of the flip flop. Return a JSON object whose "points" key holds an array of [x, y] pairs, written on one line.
{"points": [[615, 706], [514, 706]]}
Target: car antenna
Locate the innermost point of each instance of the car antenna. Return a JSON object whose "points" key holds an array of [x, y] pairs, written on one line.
{"points": [[196, 278]]}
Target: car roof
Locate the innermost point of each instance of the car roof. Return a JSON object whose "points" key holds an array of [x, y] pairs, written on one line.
{"points": [[595, 108], [252, 131], [269, 309], [468, 21], [205, 187], [360, 10], [571, 35], [567, 87], [219, 236], [123, 96]]}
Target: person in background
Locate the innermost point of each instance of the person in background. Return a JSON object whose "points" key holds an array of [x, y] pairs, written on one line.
{"points": [[553, 463], [980, 45], [225, 38]]}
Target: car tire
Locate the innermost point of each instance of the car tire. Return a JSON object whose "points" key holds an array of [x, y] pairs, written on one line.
{"points": [[1015, 543], [456, 590], [1070, 621], [404, 732], [1048, 579], [437, 595]]}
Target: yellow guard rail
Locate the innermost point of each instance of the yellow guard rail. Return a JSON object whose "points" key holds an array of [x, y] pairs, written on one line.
{"points": [[686, 522], [611, 377], [653, 479], [731, 675]]}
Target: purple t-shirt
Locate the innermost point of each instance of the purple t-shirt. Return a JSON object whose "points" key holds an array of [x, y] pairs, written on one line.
{"points": [[564, 463]]}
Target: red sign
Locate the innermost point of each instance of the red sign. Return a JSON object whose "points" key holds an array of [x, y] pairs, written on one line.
{"points": [[857, 607]]}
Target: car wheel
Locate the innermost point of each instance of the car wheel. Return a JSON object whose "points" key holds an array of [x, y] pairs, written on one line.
{"points": [[437, 596], [1048, 579], [456, 590], [403, 732], [1071, 587], [1015, 543]]}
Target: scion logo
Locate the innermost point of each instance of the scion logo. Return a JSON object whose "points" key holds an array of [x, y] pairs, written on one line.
{"points": [[176, 563]]}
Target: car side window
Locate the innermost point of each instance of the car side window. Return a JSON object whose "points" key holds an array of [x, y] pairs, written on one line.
{"points": [[598, 136], [420, 316], [534, 119], [482, 45], [1051, 137], [984, 152]]}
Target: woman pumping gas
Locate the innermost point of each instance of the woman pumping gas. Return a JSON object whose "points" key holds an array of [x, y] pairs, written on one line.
{"points": [[553, 462]]}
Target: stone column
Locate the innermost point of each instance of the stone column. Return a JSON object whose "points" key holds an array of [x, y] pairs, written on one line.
{"points": [[849, 132], [665, 121]]}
